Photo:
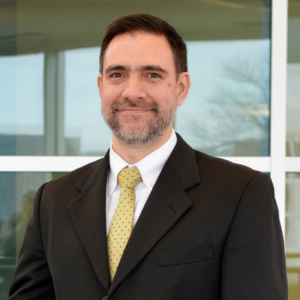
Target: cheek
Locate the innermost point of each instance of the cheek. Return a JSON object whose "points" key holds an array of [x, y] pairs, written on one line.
{"points": [[162, 97], [109, 96]]}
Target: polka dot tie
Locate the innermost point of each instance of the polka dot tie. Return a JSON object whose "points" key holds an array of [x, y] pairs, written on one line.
{"points": [[122, 222]]}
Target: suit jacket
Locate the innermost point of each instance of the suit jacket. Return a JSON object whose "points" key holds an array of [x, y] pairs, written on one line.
{"points": [[210, 230]]}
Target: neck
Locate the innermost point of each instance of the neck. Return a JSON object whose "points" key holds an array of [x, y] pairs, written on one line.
{"points": [[134, 153]]}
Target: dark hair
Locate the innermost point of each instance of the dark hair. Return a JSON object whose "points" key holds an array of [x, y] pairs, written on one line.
{"points": [[150, 24]]}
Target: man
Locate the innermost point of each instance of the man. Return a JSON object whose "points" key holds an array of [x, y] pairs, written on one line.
{"points": [[203, 228]]}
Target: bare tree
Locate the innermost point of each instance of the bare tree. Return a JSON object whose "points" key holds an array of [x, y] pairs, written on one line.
{"points": [[238, 111]]}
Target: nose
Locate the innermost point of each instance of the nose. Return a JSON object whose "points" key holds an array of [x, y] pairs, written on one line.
{"points": [[134, 89]]}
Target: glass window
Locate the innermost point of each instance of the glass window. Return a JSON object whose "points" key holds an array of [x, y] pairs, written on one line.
{"points": [[227, 109], [292, 237], [293, 80], [17, 192], [22, 105], [85, 129], [52, 105]]}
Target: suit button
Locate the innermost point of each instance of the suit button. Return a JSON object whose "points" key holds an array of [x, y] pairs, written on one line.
{"points": [[104, 298]]}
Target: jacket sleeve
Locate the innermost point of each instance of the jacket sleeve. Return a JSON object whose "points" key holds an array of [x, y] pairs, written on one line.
{"points": [[253, 260], [32, 278]]}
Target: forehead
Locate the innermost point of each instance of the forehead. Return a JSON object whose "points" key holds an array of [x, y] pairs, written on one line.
{"points": [[138, 48]]}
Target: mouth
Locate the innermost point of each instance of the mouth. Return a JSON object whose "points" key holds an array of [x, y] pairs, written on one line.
{"points": [[130, 107], [135, 110]]}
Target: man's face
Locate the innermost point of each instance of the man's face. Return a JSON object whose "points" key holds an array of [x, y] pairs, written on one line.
{"points": [[139, 88]]}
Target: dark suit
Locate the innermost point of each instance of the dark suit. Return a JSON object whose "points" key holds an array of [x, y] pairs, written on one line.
{"points": [[209, 230]]}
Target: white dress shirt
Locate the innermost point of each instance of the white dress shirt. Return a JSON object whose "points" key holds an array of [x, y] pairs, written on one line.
{"points": [[149, 167]]}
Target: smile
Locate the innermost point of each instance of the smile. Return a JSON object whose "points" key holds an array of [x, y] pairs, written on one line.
{"points": [[134, 108], [131, 110]]}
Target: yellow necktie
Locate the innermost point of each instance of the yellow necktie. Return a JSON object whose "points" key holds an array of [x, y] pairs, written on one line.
{"points": [[122, 222]]}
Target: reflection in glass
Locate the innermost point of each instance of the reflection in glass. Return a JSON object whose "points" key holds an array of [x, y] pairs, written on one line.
{"points": [[17, 191], [293, 81], [227, 109], [225, 113], [21, 102], [85, 128], [51, 100], [293, 108], [292, 236]]}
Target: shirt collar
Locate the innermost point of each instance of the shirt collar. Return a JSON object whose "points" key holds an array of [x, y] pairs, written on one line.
{"points": [[149, 167]]}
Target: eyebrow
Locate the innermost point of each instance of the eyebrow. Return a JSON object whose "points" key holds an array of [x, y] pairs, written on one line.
{"points": [[115, 68], [154, 68], [143, 68]]}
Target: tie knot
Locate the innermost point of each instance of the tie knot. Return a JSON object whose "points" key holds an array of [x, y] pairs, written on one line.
{"points": [[129, 178]]}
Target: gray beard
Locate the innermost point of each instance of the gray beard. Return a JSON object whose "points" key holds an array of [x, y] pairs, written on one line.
{"points": [[139, 136]]}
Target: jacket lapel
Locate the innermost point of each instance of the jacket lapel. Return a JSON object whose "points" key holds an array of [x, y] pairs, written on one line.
{"points": [[89, 218], [166, 204]]}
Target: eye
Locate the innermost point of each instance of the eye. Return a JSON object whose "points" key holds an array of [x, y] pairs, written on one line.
{"points": [[153, 75], [115, 75]]}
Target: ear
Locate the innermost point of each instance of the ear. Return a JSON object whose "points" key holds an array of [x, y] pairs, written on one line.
{"points": [[99, 83], [183, 86]]}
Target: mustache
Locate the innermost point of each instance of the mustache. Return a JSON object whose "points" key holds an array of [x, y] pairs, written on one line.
{"points": [[141, 104]]}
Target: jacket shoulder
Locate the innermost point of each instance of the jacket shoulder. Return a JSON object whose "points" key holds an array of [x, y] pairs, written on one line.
{"points": [[76, 175], [222, 170], [69, 185]]}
